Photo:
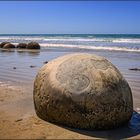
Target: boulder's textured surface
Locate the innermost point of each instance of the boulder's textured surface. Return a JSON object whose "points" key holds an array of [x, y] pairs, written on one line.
{"points": [[82, 91], [8, 46], [22, 45], [33, 45], [3, 43]]}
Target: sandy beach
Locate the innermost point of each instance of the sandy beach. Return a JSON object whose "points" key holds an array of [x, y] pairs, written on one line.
{"points": [[17, 115]]}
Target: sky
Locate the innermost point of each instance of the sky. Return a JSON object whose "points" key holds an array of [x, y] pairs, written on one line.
{"points": [[70, 17]]}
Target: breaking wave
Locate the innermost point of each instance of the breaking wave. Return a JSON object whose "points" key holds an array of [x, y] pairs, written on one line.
{"points": [[88, 42], [92, 47]]}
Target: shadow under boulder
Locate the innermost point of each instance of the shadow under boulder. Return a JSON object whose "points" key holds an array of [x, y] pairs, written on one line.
{"points": [[33, 45], [131, 129]]}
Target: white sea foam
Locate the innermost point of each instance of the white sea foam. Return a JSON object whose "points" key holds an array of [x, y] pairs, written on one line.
{"points": [[126, 40], [22, 38], [54, 39], [78, 39], [91, 47], [95, 40], [75, 39]]}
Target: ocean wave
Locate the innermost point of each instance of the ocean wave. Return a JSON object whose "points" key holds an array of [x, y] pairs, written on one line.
{"points": [[76, 39], [112, 44], [55, 39], [99, 47], [92, 47], [65, 39], [22, 38], [95, 40], [126, 40]]}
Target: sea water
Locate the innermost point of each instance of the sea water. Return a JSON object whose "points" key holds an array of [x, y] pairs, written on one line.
{"points": [[113, 42]]}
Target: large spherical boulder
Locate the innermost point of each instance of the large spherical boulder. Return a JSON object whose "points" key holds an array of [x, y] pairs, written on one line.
{"points": [[22, 45], [33, 45], [3, 43], [82, 91], [8, 46]]}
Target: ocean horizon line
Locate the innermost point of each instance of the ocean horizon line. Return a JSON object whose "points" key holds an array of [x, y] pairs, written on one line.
{"points": [[70, 34]]}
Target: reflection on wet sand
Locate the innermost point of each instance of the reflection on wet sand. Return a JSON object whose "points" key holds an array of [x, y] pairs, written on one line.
{"points": [[7, 50], [29, 52]]}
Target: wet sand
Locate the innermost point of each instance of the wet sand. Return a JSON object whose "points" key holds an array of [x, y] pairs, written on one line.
{"points": [[17, 116]]}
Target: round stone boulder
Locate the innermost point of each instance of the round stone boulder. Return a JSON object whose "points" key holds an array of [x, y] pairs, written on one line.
{"points": [[82, 91], [8, 46], [3, 43], [22, 45], [33, 45]]}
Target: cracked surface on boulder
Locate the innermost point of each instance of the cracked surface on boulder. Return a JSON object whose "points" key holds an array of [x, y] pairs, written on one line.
{"points": [[82, 91]]}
